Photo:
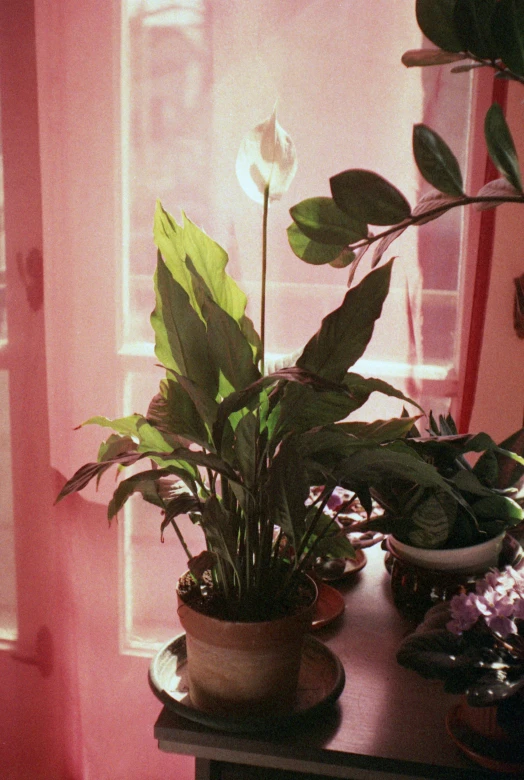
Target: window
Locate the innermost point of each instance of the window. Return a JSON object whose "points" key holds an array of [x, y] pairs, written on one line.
{"points": [[197, 76]]}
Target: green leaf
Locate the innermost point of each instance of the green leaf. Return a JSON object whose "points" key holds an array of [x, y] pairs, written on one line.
{"points": [[144, 483], [380, 431], [322, 221], [181, 338], [346, 331], [499, 507], [508, 32], [432, 520], [422, 57], [435, 19], [436, 162], [205, 405], [474, 26], [369, 198], [245, 447], [174, 413], [218, 529], [311, 251], [229, 348], [500, 145], [175, 243], [288, 490]]}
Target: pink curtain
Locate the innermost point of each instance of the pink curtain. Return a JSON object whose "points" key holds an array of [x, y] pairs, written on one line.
{"points": [[74, 693]]}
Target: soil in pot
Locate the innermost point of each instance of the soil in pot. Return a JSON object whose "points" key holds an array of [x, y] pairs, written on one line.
{"points": [[240, 667]]}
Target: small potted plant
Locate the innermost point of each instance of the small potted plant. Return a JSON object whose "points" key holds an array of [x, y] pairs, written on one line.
{"points": [[239, 450], [438, 540], [474, 644]]}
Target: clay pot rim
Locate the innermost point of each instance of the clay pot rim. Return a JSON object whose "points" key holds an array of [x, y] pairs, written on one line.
{"points": [[222, 622]]}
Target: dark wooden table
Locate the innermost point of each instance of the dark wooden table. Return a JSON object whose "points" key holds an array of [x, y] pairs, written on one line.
{"points": [[388, 723]]}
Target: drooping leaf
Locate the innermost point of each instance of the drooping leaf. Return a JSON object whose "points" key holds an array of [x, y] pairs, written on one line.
{"points": [[266, 158], [174, 413], [510, 470], [436, 162], [423, 57], [310, 251], [501, 147], [435, 19], [473, 20], [144, 483], [508, 32], [90, 471], [345, 332], [369, 198], [433, 654], [322, 221]]}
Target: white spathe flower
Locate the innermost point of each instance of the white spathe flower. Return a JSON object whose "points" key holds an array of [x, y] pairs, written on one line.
{"points": [[267, 157]]}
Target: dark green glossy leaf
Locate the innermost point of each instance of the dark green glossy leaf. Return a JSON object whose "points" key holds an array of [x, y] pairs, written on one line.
{"points": [[310, 251], [423, 57], [436, 162], [144, 483], [90, 471], [322, 221], [500, 145], [345, 332], [181, 338], [508, 32], [380, 431], [174, 413], [435, 19], [369, 198], [205, 405], [499, 507], [473, 20], [229, 348], [246, 439], [218, 529], [288, 491]]}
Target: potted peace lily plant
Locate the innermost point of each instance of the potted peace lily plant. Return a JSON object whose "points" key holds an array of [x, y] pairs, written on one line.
{"points": [[238, 450]]}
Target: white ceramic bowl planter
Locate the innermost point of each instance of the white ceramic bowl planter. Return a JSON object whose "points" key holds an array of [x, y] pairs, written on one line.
{"points": [[463, 560]]}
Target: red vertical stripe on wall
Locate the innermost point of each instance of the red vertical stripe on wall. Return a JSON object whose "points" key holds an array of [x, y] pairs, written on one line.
{"points": [[481, 285]]}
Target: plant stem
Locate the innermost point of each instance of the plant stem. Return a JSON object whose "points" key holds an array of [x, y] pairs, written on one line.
{"points": [[263, 281]]}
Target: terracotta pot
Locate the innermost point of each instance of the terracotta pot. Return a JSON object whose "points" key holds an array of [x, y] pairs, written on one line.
{"points": [[237, 668]]}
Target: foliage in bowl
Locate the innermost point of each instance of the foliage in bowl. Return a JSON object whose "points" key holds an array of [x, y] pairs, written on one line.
{"points": [[474, 644], [483, 499]]}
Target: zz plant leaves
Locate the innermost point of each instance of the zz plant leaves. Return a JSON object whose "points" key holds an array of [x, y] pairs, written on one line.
{"points": [[501, 147], [435, 19], [312, 252], [368, 197], [508, 32], [473, 24], [436, 162], [322, 221]]}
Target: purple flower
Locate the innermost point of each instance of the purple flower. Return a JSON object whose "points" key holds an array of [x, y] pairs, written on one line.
{"points": [[464, 613]]}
